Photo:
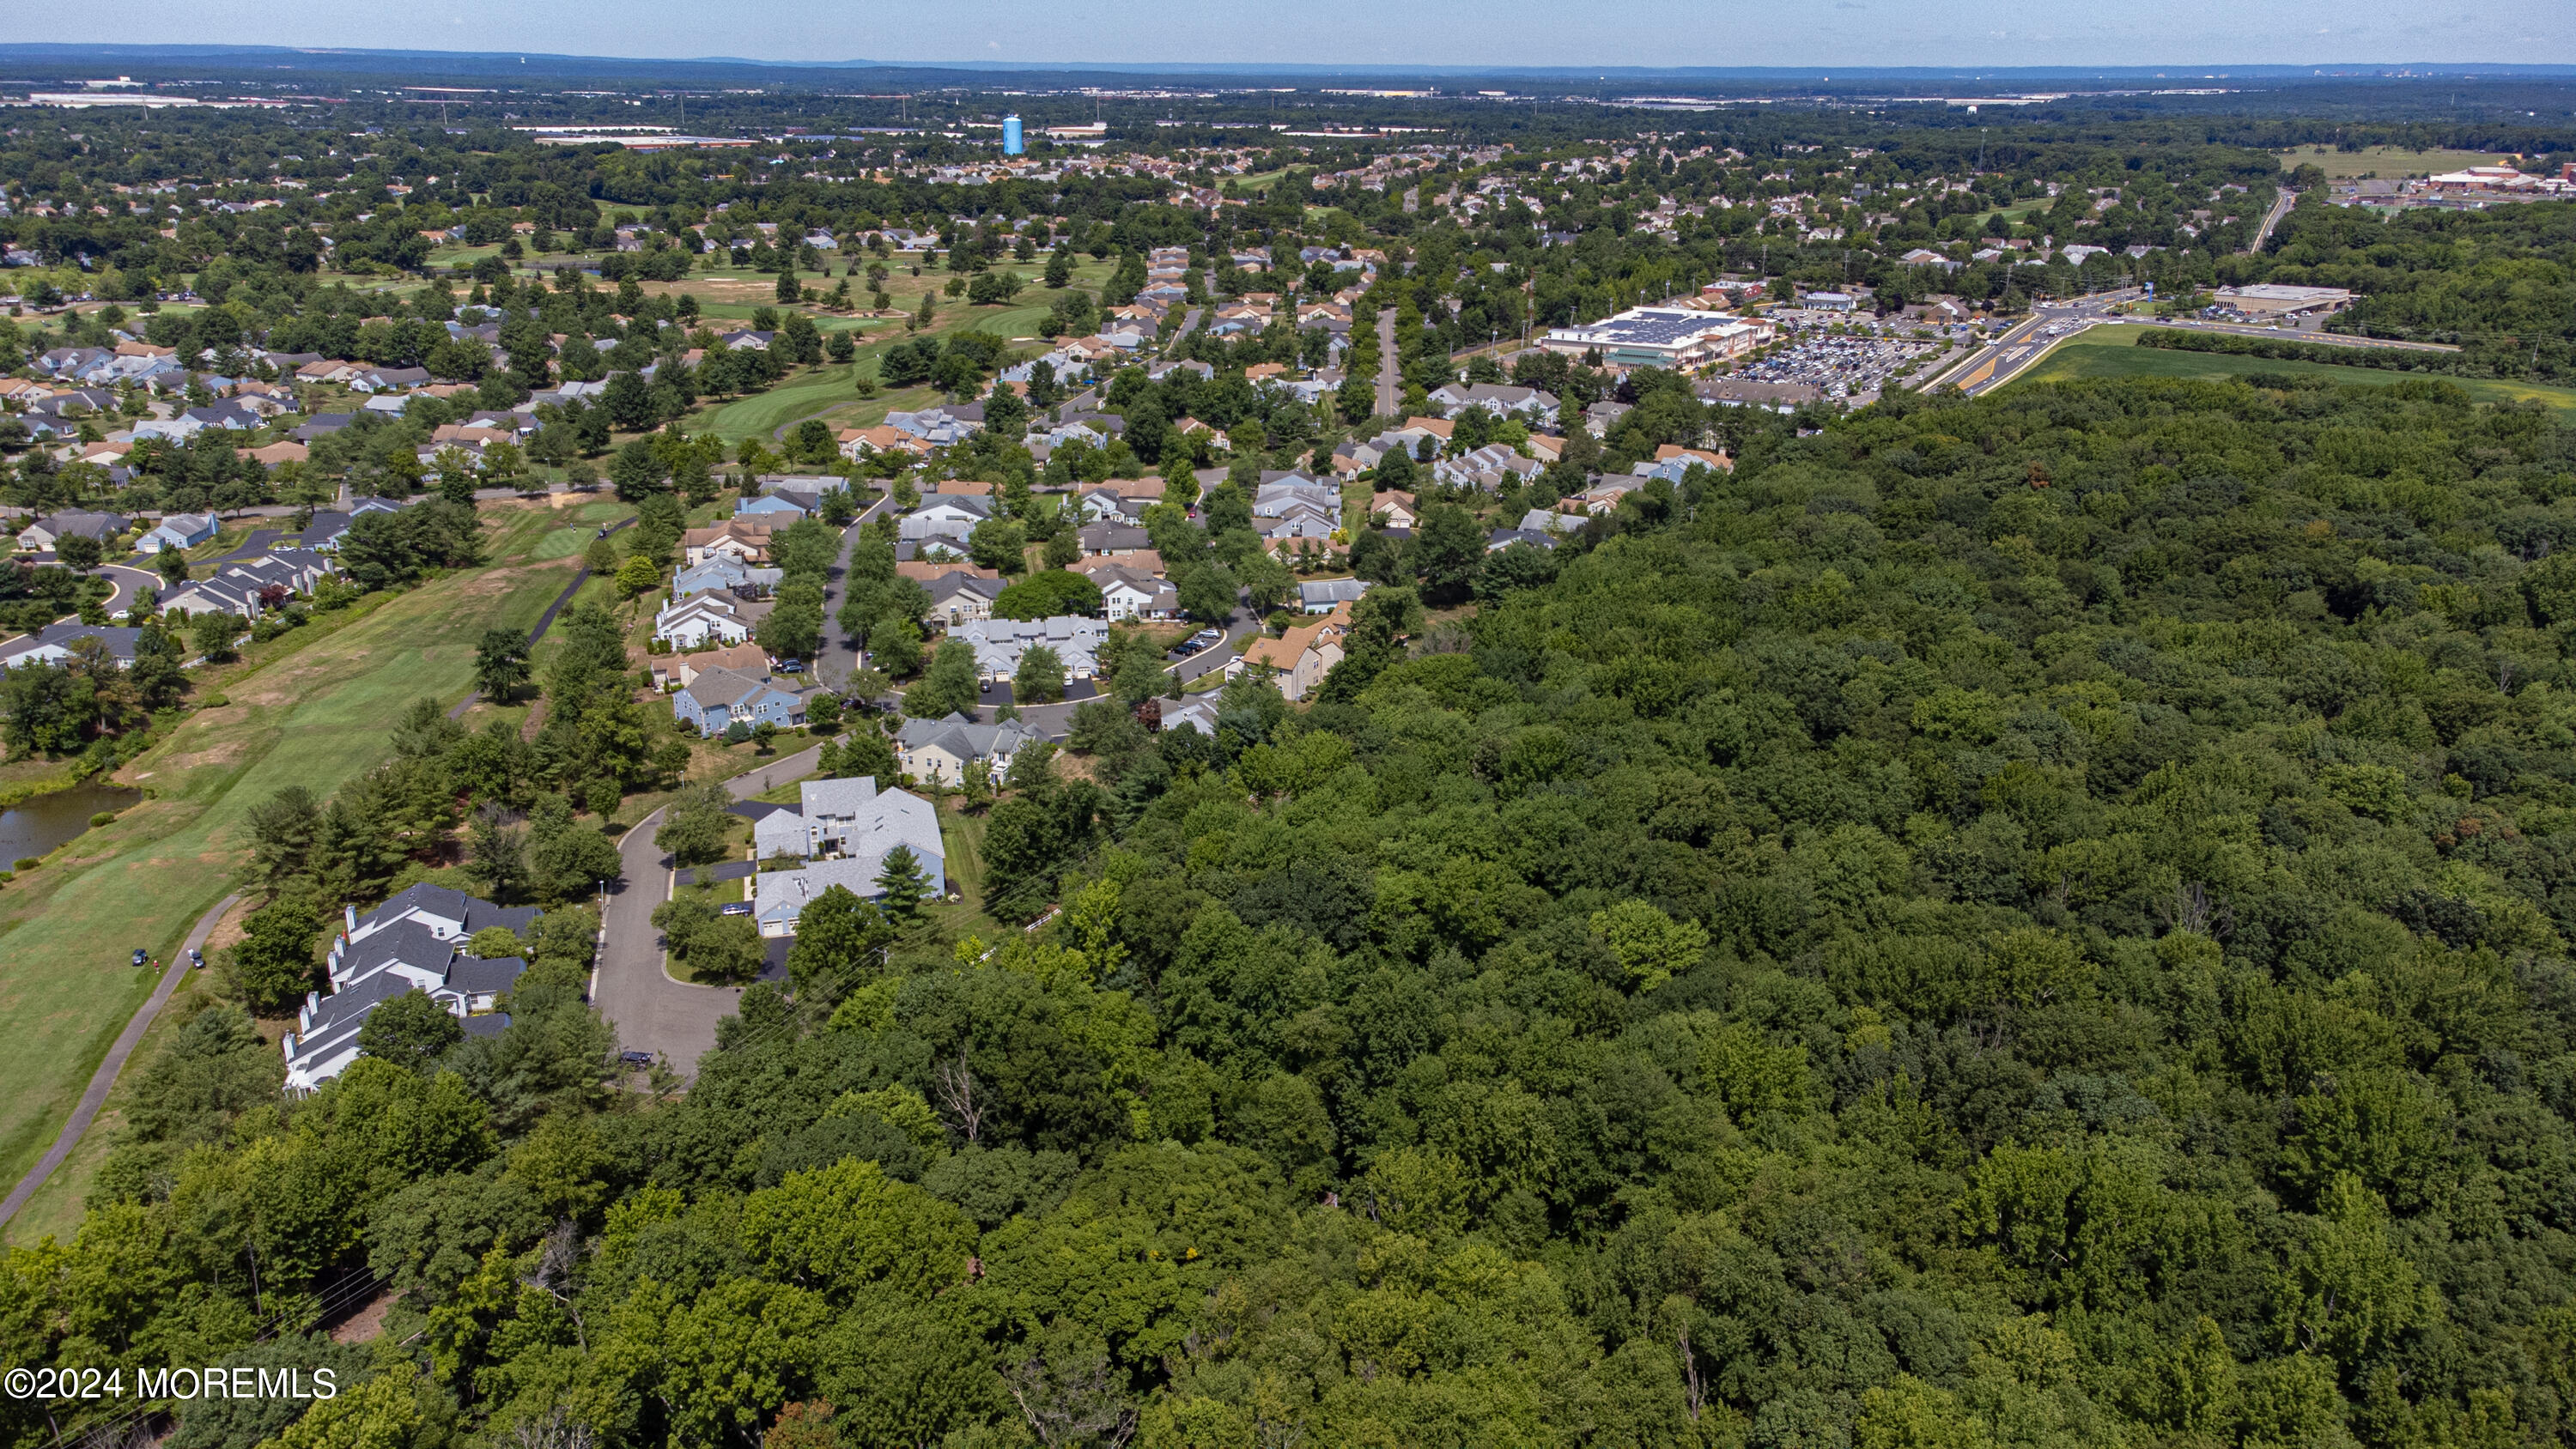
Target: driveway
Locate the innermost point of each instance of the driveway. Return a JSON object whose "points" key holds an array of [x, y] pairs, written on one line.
{"points": [[650, 1010], [258, 545], [839, 661], [127, 579]]}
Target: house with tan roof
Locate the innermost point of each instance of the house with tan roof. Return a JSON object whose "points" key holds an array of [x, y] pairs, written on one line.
{"points": [[857, 443], [743, 539], [1297, 660]]}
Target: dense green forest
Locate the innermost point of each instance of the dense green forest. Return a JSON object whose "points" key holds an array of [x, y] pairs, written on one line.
{"points": [[2499, 283], [2029, 921]]}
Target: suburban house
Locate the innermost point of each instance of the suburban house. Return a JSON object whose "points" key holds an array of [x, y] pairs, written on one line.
{"points": [[777, 510], [941, 425], [963, 596], [1323, 596], [1395, 509], [941, 749], [1134, 594], [780, 896], [55, 643], [719, 699], [1298, 660], [414, 942], [389, 379], [723, 571], [325, 531], [745, 540], [1671, 463], [1486, 469], [50, 530], [251, 588], [676, 671], [1528, 403], [177, 530], [848, 818], [1503, 538], [1113, 540], [858, 442], [999, 643], [692, 622], [1603, 496], [945, 515]]}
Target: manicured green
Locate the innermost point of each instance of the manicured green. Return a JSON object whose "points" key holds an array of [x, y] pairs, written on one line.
{"points": [[2113, 352]]}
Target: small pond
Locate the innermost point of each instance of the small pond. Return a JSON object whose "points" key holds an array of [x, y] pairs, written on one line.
{"points": [[35, 826]]}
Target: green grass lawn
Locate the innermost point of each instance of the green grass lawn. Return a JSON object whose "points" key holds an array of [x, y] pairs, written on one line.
{"points": [[2385, 162], [963, 834], [314, 713], [2113, 352]]}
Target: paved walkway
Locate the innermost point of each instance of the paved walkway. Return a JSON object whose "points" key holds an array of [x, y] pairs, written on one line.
{"points": [[105, 1077], [545, 621], [651, 1011]]}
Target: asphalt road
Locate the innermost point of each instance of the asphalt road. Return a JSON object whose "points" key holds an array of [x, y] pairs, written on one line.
{"points": [[2281, 205], [127, 579], [1389, 395], [104, 1079], [260, 542], [839, 660], [2020, 345], [652, 1011]]}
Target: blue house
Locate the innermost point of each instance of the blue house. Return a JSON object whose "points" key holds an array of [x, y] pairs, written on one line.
{"points": [[177, 530], [769, 506], [719, 699]]}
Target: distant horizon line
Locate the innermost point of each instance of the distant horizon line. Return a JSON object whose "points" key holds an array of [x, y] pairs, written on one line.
{"points": [[2180, 70]]}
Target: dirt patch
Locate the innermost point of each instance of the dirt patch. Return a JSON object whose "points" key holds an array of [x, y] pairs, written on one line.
{"points": [[223, 754], [231, 928], [367, 1323]]}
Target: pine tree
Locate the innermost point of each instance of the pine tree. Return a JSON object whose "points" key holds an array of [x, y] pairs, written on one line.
{"points": [[903, 883]]}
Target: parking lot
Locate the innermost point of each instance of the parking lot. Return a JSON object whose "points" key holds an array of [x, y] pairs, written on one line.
{"points": [[1841, 367]]}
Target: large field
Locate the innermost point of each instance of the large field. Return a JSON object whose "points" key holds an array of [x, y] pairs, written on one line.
{"points": [[317, 711], [2385, 163], [2113, 352]]}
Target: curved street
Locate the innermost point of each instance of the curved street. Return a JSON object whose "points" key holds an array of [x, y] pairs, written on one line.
{"points": [[651, 1011]]}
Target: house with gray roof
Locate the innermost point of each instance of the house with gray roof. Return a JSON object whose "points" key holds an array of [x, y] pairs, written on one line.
{"points": [[834, 818], [177, 530], [251, 588], [414, 942], [780, 896], [53, 528], [55, 643], [719, 699], [1322, 596], [941, 749], [999, 643]]}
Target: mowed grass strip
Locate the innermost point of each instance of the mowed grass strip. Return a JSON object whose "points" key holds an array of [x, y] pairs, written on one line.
{"points": [[2113, 352], [316, 717]]}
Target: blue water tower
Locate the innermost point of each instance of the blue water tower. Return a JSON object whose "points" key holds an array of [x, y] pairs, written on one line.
{"points": [[1011, 136]]}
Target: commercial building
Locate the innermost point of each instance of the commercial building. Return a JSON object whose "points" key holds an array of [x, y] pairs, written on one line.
{"points": [[1667, 337], [2271, 299]]}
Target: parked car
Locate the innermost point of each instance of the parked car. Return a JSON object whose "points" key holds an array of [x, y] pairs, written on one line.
{"points": [[196, 959], [142, 957], [734, 908], [635, 1058], [791, 666]]}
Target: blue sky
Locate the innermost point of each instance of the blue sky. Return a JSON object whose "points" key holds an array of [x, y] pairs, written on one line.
{"points": [[1377, 32]]}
